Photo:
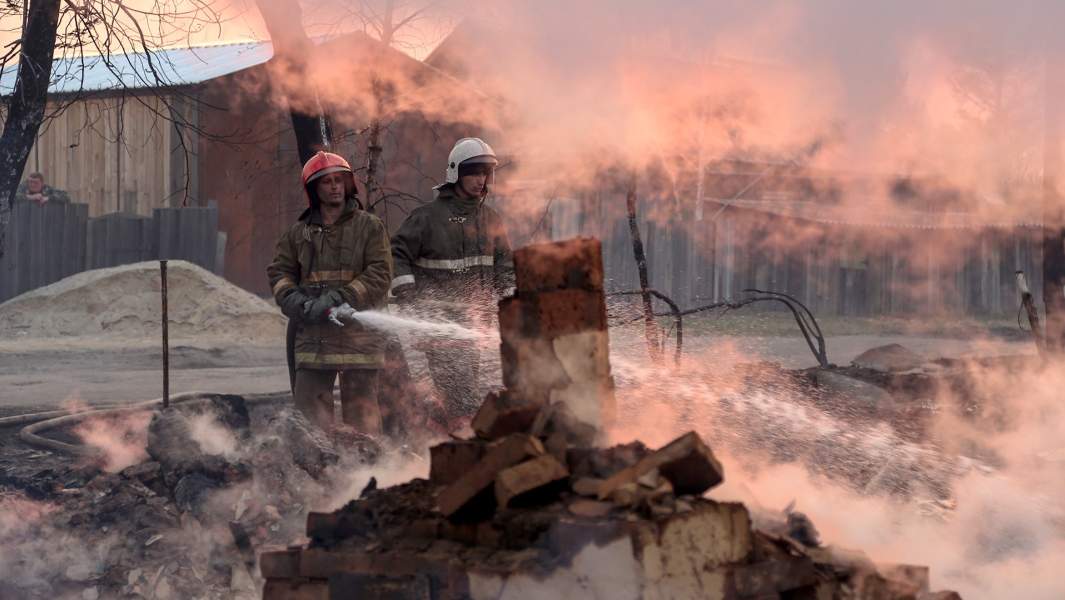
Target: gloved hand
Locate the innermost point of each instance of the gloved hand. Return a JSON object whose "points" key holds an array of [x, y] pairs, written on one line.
{"points": [[294, 305], [341, 313], [319, 309], [403, 293]]}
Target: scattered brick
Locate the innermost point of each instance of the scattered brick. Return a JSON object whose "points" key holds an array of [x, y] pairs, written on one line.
{"points": [[527, 477], [281, 589], [586, 486], [280, 564], [499, 416], [501, 454], [450, 460], [590, 508], [686, 462]]}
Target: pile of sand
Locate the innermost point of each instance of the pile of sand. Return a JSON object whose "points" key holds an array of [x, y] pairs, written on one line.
{"points": [[124, 303]]}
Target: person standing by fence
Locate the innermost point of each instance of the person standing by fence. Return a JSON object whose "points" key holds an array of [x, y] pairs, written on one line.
{"points": [[35, 190]]}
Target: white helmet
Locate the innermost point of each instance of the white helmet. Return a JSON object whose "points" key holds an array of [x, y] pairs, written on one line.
{"points": [[468, 151]]}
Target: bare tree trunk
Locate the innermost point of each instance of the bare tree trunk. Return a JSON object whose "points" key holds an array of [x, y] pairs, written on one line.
{"points": [[1032, 311], [1053, 284], [373, 142], [650, 325], [292, 51], [28, 101], [373, 153], [1053, 216]]}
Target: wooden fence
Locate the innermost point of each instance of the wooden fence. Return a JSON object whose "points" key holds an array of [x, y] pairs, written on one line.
{"points": [[833, 269], [50, 242], [44, 244], [119, 239]]}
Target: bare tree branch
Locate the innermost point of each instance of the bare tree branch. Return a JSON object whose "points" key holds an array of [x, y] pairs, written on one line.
{"points": [[27, 102]]}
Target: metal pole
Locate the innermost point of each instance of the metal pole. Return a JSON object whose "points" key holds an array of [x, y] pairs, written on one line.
{"points": [[166, 339]]}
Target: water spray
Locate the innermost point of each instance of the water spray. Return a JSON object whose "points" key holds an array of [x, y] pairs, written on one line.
{"points": [[384, 321]]}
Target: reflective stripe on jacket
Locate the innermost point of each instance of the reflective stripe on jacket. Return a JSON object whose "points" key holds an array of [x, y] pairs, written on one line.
{"points": [[453, 249]]}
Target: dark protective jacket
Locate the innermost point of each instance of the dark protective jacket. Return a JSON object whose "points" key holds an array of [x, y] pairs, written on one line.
{"points": [[454, 250], [351, 256]]}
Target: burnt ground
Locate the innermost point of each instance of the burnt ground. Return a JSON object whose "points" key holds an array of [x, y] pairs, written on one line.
{"points": [[108, 552], [179, 523]]}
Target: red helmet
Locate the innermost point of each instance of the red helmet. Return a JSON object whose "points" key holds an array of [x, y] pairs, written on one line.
{"points": [[324, 163]]}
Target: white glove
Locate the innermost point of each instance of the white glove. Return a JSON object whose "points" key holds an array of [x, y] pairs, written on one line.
{"points": [[344, 311]]}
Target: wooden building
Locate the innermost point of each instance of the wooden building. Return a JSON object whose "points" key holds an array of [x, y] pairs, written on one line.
{"points": [[212, 132]]}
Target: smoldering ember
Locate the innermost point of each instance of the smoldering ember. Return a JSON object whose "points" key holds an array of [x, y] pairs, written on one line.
{"points": [[327, 300]]}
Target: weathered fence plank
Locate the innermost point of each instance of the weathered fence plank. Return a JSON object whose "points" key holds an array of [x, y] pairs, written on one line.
{"points": [[50, 242], [45, 244], [119, 239], [835, 269], [187, 234]]}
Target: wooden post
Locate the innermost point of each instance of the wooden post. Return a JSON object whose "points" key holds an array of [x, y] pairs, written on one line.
{"points": [[166, 337], [1033, 313], [650, 325], [1053, 217]]}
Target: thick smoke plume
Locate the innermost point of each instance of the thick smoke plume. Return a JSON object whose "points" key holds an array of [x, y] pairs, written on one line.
{"points": [[976, 501], [586, 97]]}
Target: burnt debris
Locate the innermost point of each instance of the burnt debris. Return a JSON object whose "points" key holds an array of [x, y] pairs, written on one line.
{"points": [[530, 506]]}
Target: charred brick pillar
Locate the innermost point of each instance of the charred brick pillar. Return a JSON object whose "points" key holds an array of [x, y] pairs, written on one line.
{"points": [[555, 346]]}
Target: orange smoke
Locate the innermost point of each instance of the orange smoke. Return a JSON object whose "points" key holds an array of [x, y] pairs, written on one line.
{"points": [[996, 434], [121, 440]]}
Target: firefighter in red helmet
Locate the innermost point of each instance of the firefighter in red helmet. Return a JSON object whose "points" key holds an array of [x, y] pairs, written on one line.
{"points": [[335, 254]]}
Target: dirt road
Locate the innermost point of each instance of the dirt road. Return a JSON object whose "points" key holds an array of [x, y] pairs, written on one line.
{"points": [[41, 376]]}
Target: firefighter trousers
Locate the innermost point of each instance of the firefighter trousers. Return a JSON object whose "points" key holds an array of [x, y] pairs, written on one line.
{"points": [[359, 406]]}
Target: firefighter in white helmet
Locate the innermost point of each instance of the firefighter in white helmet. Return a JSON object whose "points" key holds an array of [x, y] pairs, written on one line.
{"points": [[452, 255]]}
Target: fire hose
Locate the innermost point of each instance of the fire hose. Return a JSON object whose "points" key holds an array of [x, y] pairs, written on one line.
{"points": [[804, 318], [36, 423]]}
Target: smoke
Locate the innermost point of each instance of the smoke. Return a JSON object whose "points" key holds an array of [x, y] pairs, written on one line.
{"points": [[581, 98], [764, 78], [121, 440], [351, 478], [977, 501], [998, 543], [212, 436], [35, 550]]}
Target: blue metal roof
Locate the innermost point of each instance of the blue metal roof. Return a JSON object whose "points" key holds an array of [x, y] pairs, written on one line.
{"points": [[173, 67]]}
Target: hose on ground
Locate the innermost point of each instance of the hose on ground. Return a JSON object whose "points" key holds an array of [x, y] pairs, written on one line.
{"points": [[31, 434], [26, 418]]}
